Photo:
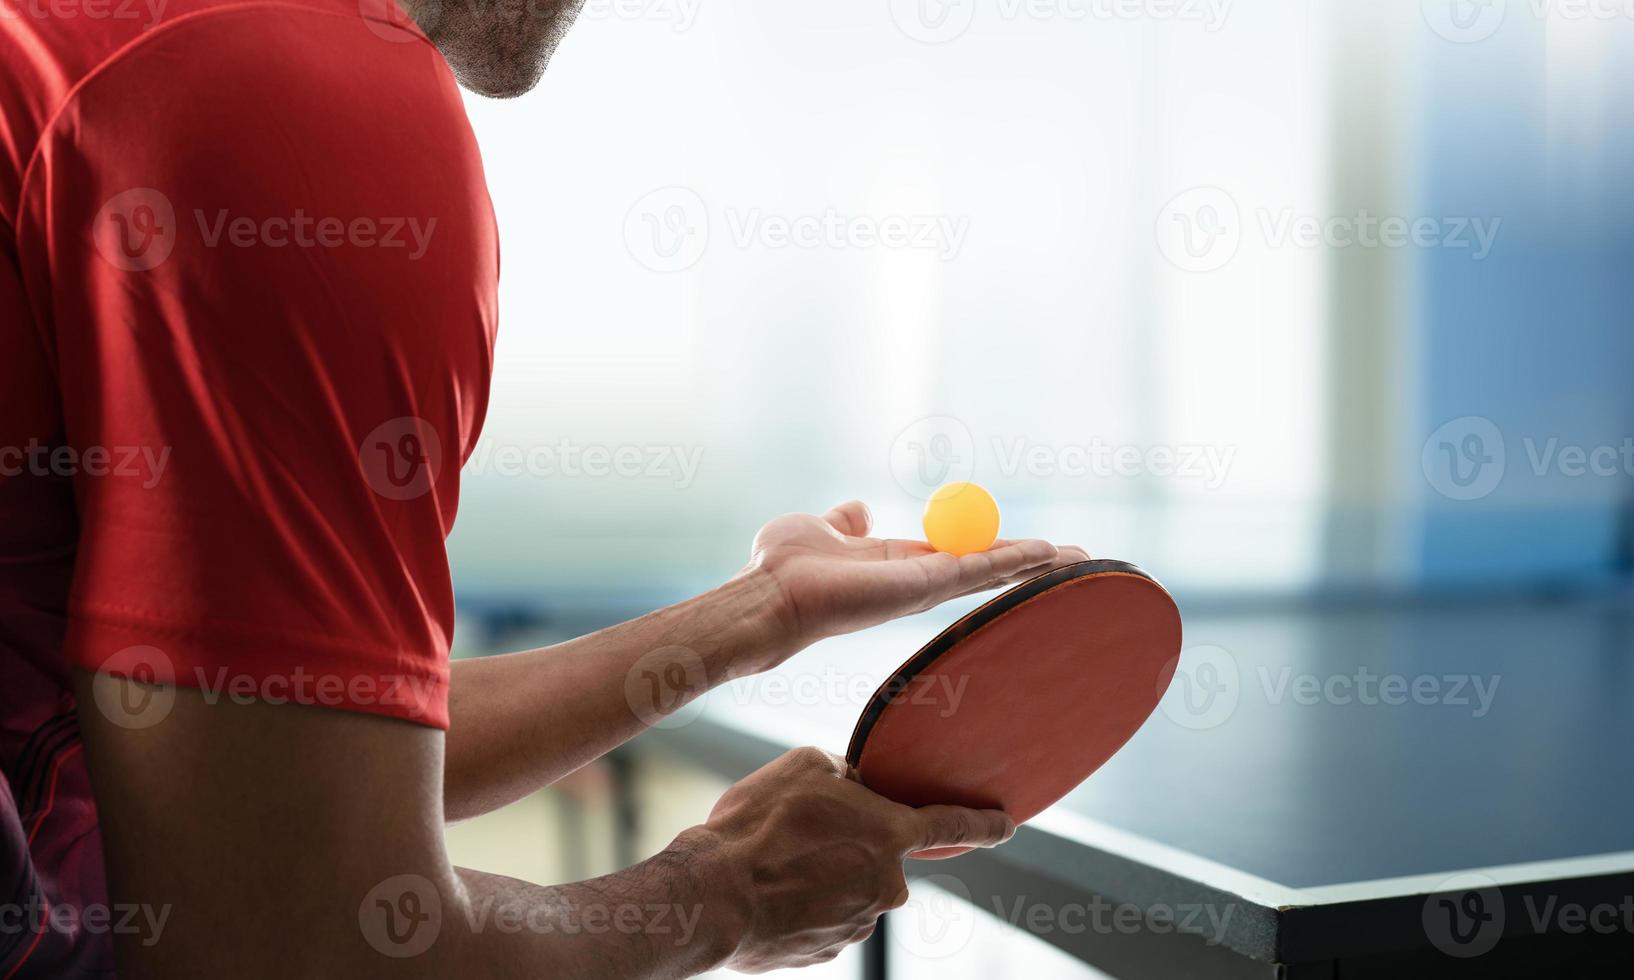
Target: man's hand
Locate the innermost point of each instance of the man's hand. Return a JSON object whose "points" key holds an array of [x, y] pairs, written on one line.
{"points": [[831, 578], [816, 858]]}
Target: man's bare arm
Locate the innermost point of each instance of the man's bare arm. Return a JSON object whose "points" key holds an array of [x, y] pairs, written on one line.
{"points": [[285, 840], [520, 722]]}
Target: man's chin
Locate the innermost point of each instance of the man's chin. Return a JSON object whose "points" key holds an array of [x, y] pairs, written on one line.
{"points": [[505, 55], [498, 81]]}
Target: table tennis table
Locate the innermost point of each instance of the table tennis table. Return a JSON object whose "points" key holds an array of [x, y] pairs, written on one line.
{"points": [[1365, 789]]}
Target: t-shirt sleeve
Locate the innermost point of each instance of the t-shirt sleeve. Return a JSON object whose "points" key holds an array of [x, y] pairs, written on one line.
{"points": [[263, 257]]}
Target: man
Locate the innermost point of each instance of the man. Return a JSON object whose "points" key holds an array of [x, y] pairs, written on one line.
{"points": [[248, 295]]}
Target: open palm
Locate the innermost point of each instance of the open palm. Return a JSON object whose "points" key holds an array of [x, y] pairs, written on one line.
{"points": [[834, 578]]}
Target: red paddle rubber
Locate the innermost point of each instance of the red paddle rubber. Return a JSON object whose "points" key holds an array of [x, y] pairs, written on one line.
{"points": [[1014, 705]]}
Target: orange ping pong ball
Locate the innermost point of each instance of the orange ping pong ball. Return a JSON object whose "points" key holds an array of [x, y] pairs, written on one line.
{"points": [[961, 519]]}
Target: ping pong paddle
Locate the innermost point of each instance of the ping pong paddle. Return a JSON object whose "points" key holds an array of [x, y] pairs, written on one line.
{"points": [[1021, 700]]}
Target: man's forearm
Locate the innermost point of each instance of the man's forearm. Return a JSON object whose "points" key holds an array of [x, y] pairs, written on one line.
{"points": [[667, 917], [523, 720]]}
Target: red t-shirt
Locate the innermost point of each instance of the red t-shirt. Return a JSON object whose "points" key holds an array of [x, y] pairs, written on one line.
{"points": [[247, 306]]}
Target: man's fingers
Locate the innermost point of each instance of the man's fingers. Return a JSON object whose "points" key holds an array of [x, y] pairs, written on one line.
{"points": [[1004, 560], [1065, 555], [947, 577], [1034, 546], [957, 826], [851, 518]]}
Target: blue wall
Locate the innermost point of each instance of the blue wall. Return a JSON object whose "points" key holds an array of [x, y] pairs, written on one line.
{"points": [[1539, 336]]}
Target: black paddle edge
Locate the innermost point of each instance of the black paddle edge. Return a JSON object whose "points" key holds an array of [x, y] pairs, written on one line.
{"points": [[971, 622]]}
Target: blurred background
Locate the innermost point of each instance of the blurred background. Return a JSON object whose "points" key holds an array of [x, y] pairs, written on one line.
{"points": [[1288, 302]]}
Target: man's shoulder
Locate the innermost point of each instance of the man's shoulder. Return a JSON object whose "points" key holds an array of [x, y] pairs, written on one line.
{"points": [[78, 67]]}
